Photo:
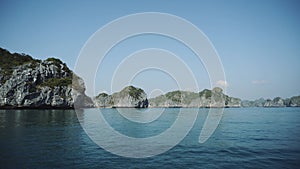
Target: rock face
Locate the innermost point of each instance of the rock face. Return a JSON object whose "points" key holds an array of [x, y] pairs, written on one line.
{"points": [[205, 98], [256, 103], [276, 102], [29, 83], [128, 97], [293, 101]]}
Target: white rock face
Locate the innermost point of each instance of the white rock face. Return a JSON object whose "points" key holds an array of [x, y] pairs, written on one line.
{"points": [[32, 85]]}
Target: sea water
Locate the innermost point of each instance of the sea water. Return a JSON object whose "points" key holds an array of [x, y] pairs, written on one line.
{"points": [[244, 138]]}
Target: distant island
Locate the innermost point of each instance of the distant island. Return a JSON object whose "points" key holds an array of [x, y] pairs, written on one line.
{"points": [[128, 97], [30, 83], [135, 97]]}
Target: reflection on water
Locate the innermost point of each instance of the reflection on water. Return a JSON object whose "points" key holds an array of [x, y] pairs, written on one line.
{"points": [[15, 118], [141, 115], [121, 124], [116, 134]]}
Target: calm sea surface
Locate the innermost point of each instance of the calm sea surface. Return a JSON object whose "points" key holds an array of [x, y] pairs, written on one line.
{"points": [[245, 138]]}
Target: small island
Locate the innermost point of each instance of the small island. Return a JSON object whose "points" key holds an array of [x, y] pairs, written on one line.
{"points": [[128, 97]]}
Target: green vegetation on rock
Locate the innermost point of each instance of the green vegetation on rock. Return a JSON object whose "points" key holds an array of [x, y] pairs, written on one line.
{"points": [[175, 96], [54, 82], [9, 61], [206, 93], [55, 61], [58, 63], [134, 92], [102, 95]]}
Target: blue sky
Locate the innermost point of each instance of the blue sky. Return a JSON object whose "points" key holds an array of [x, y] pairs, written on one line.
{"points": [[258, 41]]}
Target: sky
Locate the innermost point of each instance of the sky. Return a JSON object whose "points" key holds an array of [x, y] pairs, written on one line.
{"points": [[258, 42]]}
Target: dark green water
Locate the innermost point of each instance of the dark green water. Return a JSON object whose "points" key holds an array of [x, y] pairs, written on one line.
{"points": [[245, 138]]}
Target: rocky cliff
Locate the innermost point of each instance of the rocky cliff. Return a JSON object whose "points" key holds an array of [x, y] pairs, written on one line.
{"points": [[128, 97], [205, 98], [29, 83], [276, 102], [293, 101]]}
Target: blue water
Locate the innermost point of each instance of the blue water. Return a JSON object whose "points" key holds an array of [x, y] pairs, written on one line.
{"points": [[245, 138]]}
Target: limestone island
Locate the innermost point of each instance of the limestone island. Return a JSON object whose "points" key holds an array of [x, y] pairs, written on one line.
{"points": [[26, 82]]}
